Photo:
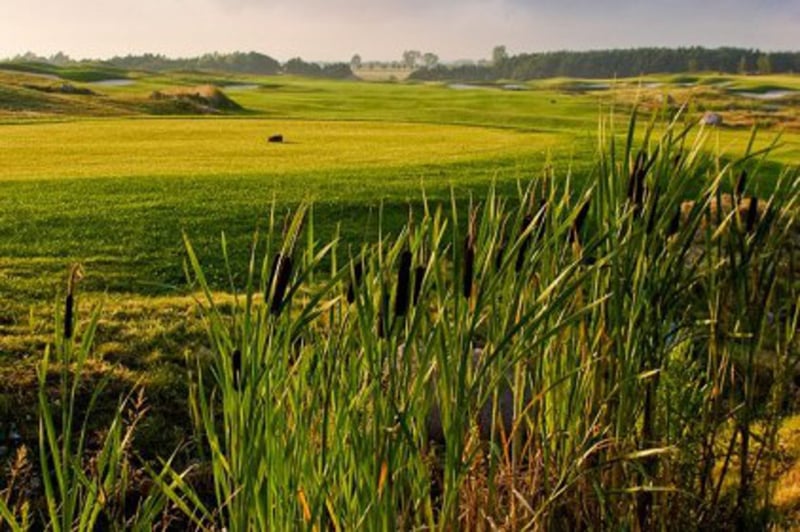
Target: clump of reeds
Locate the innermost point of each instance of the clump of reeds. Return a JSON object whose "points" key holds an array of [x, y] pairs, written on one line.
{"points": [[580, 388]]}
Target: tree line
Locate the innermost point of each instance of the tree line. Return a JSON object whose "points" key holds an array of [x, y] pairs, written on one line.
{"points": [[236, 63], [615, 63]]}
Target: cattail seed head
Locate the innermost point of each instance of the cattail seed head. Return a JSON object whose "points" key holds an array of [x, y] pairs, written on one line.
{"points": [[469, 266], [68, 304], [636, 182], [383, 316], [674, 223], [577, 226], [358, 273], [523, 249], [651, 220], [75, 275], [752, 215], [498, 258], [402, 294], [741, 183], [236, 363], [419, 275], [282, 273]]}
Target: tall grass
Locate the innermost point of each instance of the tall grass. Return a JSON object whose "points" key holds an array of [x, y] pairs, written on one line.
{"points": [[579, 356], [612, 352]]}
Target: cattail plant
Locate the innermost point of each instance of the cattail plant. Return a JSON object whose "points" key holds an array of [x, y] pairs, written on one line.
{"points": [[578, 397]]}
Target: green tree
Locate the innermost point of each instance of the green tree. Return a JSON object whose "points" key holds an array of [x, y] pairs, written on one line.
{"points": [[411, 58], [430, 60], [499, 55], [355, 62], [763, 64]]}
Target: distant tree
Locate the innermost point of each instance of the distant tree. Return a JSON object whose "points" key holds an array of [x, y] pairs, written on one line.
{"points": [[355, 62], [692, 65], [763, 64], [411, 58], [742, 68], [499, 55], [299, 67], [430, 60], [60, 59]]}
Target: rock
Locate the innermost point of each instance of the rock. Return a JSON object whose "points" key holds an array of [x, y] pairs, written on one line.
{"points": [[711, 119]]}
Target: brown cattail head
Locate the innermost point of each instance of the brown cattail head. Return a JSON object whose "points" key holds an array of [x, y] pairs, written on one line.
{"points": [[403, 291], [236, 362], [577, 225], [523, 249], [383, 316], [469, 266], [498, 258], [636, 182], [358, 273], [75, 275], [419, 275], [741, 184], [68, 304], [752, 215], [282, 273], [469, 255], [651, 219], [675, 222]]}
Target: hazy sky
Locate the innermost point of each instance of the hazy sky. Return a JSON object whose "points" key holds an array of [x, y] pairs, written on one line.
{"points": [[382, 29]]}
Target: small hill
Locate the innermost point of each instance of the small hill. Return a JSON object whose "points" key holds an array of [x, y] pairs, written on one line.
{"points": [[203, 99]]}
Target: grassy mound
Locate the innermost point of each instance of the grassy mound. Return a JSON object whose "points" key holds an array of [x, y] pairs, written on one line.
{"points": [[204, 99]]}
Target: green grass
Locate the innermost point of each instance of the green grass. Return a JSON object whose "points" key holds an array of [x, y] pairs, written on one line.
{"points": [[115, 193]]}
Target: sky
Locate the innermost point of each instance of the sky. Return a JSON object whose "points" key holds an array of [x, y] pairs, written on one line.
{"points": [[334, 30]]}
